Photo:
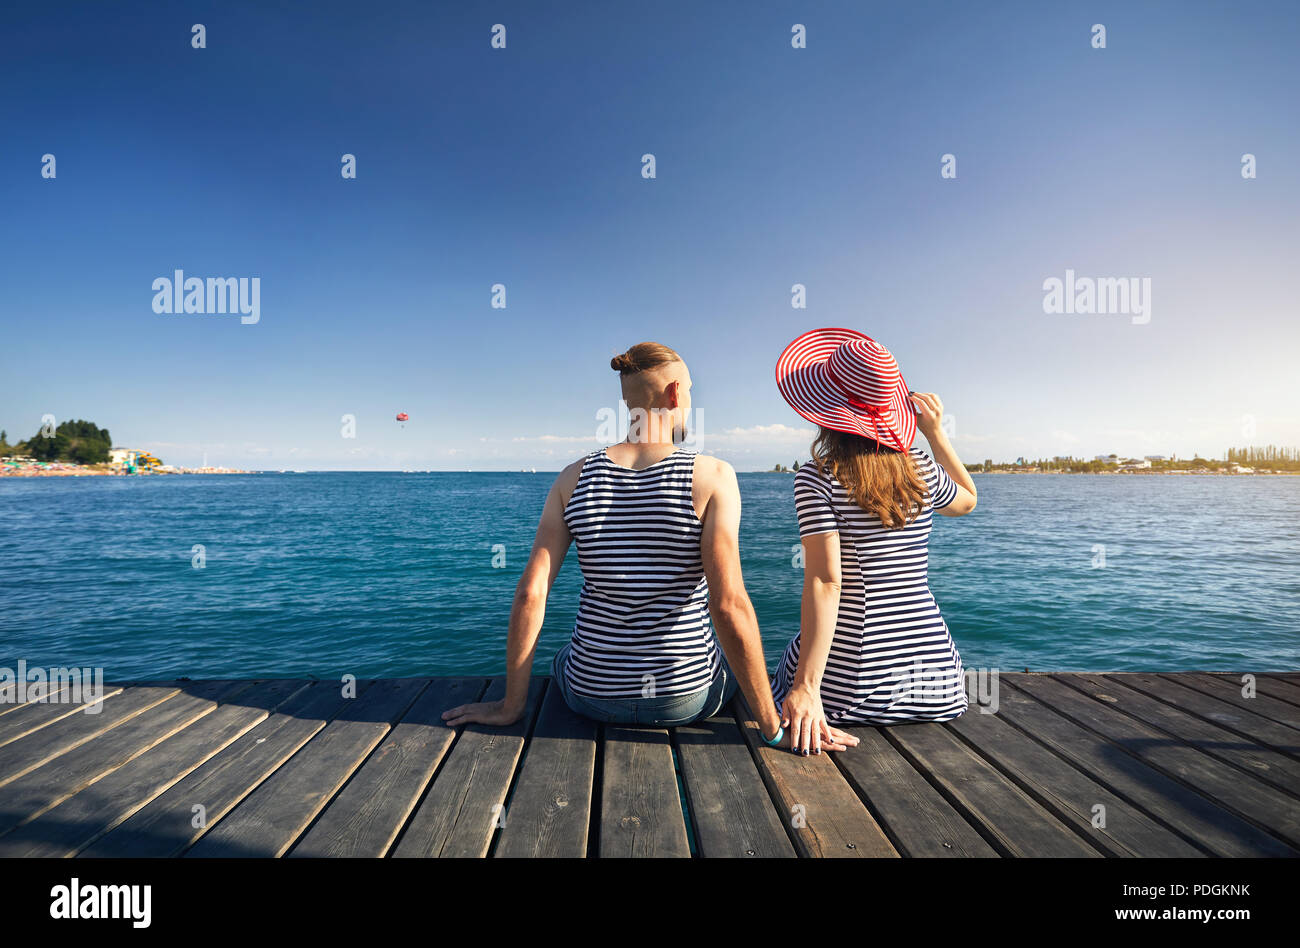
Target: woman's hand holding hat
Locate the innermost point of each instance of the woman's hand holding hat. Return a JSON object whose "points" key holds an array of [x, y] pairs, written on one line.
{"points": [[929, 414]]}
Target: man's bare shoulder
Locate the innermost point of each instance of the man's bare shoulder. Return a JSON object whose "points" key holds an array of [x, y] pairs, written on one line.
{"points": [[714, 472], [568, 478]]}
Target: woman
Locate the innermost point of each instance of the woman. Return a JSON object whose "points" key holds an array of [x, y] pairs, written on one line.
{"points": [[872, 646]]}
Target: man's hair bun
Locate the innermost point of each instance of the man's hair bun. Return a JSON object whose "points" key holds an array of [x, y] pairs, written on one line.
{"points": [[642, 356]]}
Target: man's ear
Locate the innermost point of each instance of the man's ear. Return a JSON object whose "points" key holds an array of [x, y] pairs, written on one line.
{"points": [[674, 387]]}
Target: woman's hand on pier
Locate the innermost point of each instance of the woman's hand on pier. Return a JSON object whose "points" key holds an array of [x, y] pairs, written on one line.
{"points": [[482, 712], [806, 729]]}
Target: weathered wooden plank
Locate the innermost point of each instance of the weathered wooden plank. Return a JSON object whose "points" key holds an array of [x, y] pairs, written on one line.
{"points": [[1018, 825], [1274, 737], [35, 750], [29, 796], [36, 694], [465, 804], [640, 806], [1262, 763], [1288, 686], [1231, 788], [1068, 794], [1230, 690], [915, 816], [272, 817], [731, 811], [1275, 688], [826, 817], [36, 715], [549, 812], [173, 820], [1199, 821], [1265, 764], [366, 816], [85, 816]]}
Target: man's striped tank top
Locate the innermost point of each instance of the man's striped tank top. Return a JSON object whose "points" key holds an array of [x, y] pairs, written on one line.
{"points": [[642, 628]]}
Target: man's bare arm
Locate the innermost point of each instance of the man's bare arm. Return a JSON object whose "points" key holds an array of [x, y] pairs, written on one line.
{"points": [[734, 621], [528, 610]]}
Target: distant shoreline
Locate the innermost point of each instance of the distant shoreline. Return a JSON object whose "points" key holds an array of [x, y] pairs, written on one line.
{"points": [[68, 469]]}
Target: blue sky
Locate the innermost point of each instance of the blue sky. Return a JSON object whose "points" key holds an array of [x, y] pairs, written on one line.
{"points": [[522, 166]]}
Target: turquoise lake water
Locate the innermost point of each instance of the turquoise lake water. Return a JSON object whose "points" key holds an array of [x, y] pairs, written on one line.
{"points": [[388, 574]]}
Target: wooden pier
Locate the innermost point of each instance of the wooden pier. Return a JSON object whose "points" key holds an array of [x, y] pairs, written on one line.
{"points": [[1081, 765]]}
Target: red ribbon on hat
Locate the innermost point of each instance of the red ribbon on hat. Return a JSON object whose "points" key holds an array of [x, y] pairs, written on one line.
{"points": [[874, 410]]}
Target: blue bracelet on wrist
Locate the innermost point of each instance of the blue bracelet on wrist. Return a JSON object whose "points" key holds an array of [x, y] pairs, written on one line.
{"points": [[780, 733]]}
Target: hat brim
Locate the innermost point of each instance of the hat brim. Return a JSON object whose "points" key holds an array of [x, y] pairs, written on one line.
{"points": [[804, 383]]}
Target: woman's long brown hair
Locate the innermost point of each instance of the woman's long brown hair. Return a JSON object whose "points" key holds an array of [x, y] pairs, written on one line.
{"points": [[879, 479]]}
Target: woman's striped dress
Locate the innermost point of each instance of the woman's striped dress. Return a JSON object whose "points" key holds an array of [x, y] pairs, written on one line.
{"points": [[892, 659], [643, 625]]}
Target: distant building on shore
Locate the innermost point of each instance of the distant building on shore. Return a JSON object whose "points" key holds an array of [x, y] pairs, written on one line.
{"points": [[131, 459]]}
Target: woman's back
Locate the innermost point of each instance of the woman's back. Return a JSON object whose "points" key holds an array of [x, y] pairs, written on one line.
{"points": [[822, 504], [892, 657]]}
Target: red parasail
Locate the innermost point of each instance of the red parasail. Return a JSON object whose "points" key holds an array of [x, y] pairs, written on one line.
{"points": [[403, 416]]}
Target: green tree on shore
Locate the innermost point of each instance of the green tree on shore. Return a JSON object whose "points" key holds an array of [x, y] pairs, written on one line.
{"points": [[1271, 456], [82, 442]]}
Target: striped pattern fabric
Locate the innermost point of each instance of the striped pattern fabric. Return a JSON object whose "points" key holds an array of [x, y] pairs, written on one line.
{"points": [[643, 627], [843, 380], [892, 659]]}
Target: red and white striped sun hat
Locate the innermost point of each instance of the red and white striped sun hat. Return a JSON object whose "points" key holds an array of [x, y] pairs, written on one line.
{"points": [[843, 380]]}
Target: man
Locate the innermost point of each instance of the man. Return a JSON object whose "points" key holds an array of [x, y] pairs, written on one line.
{"points": [[657, 532]]}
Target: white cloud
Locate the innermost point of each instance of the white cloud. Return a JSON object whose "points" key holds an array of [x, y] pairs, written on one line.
{"points": [[1140, 434], [755, 435], [970, 438], [559, 439], [776, 432]]}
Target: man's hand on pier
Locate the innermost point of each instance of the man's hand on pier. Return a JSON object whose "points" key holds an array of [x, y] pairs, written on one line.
{"points": [[482, 712]]}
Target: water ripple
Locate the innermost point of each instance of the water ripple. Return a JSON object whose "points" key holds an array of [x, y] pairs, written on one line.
{"points": [[392, 574]]}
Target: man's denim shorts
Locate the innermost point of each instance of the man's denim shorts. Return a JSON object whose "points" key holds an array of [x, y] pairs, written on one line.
{"points": [[660, 712]]}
